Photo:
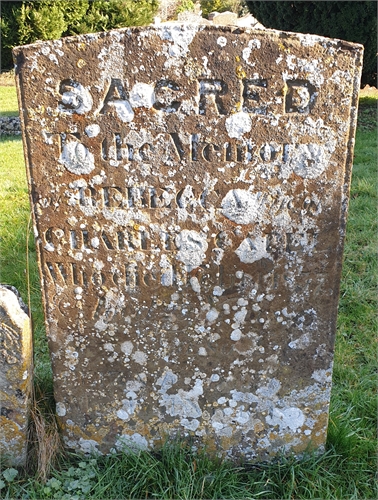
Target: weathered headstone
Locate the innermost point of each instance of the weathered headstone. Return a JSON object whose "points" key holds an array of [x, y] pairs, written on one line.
{"points": [[16, 370], [190, 187]]}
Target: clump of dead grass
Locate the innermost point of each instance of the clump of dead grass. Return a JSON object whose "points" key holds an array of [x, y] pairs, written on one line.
{"points": [[45, 442], [7, 79]]}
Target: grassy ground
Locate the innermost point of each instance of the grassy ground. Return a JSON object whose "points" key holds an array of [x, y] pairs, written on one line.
{"points": [[346, 471], [8, 95]]}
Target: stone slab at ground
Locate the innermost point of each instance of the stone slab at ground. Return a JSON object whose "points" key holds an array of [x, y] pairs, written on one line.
{"points": [[10, 125], [189, 187], [16, 370]]}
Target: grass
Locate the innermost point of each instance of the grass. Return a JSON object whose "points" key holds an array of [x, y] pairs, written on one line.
{"points": [[17, 249], [8, 103], [348, 469]]}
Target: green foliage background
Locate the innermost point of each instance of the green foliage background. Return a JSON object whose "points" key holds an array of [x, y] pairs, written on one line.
{"points": [[352, 21], [30, 20]]}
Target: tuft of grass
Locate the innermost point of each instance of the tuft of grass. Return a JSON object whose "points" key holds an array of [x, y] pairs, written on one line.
{"points": [[45, 443]]}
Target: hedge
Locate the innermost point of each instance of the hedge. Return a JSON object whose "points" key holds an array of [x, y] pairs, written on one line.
{"points": [[30, 20]]}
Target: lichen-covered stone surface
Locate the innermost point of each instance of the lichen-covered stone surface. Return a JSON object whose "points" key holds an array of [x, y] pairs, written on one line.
{"points": [[16, 370], [189, 186]]}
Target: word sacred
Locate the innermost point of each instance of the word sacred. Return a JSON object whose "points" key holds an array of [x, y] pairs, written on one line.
{"points": [[299, 97]]}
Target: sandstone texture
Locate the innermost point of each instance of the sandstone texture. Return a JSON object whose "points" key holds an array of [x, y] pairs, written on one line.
{"points": [[189, 186], [16, 369]]}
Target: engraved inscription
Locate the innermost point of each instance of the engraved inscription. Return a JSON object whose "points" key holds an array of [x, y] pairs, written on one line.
{"points": [[212, 97]]}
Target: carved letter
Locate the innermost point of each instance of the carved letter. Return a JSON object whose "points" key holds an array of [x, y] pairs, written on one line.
{"points": [[116, 100], [210, 100], [300, 96], [251, 96], [75, 98], [165, 98]]}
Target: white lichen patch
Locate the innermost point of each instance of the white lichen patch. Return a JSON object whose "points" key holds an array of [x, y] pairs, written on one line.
{"points": [[242, 206], [218, 291], [123, 110], [61, 409], [142, 95], [92, 130], [195, 284], [140, 357], [76, 99], [127, 347], [134, 442], [191, 248], [129, 405], [252, 44], [302, 342], [236, 334], [238, 124], [307, 160], [183, 403], [89, 446], [212, 315], [222, 41], [109, 62], [252, 249], [191, 425], [77, 158], [181, 38], [287, 418]]}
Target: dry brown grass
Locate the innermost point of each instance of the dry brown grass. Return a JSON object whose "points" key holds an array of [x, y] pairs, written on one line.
{"points": [[44, 437], [7, 79]]}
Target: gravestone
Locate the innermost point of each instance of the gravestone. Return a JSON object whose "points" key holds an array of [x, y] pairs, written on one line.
{"points": [[189, 187], [16, 370]]}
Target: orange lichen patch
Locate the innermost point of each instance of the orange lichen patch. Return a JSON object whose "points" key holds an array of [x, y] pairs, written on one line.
{"points": [[258, 427], [12, 439], [15, 379], [227, 443]]}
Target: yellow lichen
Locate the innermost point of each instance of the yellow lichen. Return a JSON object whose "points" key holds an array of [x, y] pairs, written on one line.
{"points": [[81, 63], [240, 73]]}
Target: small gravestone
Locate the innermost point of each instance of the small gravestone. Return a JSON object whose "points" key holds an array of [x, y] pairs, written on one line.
{"points": [[223, 18], [189, 188], [16, 370]]}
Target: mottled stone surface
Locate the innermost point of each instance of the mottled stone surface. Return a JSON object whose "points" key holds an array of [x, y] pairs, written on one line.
{"points": [[189, 187], [16, 370]]}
